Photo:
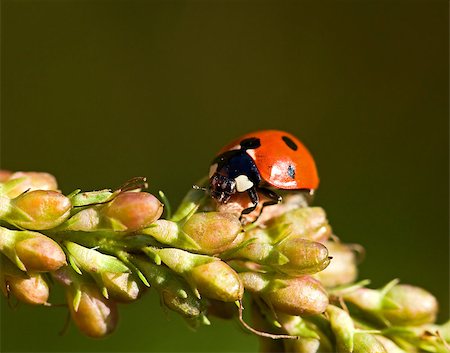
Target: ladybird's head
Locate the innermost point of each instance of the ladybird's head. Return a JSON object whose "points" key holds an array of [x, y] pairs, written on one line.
{"points": [[221, 187]]}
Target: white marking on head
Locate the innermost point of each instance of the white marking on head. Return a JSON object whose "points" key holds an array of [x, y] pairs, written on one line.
{"points": [[212, 169], [251, 153], [243, 183]]}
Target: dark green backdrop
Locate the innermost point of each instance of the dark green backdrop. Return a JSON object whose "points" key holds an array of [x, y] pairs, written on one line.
{"points": [[97, 92]]}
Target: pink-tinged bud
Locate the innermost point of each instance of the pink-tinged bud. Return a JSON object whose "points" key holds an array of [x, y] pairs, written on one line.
{"points": [[40, 253], [32, 290], [4, 175], [134, 210], [294, 296], [306, 222], [301, 296], [342, 268], [407, 305], [214, 232], [95, 316], [39, 210], [217, 280], [32, 181]]}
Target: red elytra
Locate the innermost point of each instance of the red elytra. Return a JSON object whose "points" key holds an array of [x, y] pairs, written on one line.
{"points": [[282, 160]]}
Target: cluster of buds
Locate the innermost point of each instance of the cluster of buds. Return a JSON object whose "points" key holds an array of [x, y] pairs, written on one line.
{"points": [[108, 247]]}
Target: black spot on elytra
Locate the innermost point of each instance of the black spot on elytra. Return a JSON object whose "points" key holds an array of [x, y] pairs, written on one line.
{"points": [[291, 171], [291, 144], [250, 143]]}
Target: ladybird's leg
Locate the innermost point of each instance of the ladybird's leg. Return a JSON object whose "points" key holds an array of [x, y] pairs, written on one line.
{"points": [[274, 198], [254, 198]]}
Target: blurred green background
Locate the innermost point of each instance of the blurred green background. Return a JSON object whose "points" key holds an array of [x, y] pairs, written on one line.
{"points": [[96, 92]]}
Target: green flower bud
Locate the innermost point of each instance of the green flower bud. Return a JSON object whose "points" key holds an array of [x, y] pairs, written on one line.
{"points": [[306, 222], [389, 345], [122, 287], [87, 220], [94, 315], [311, 337], [294, 296], [94, 261], [80, 199], [19, 182], [217, 280], [412, 306], [168, 232], [342, 327], [31, 251], [38, 210], [305, 256], [111, 274], [292, 256], [365, 299], [206, 232], [214, 232], [367, 343], [134, 210], [302, 345], [127, 212], [425, 338], [210, 276], [398, 304], [174, 291], [342, 268], [32, 290]]}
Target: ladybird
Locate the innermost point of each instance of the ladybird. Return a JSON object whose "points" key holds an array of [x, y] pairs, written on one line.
{"points": [[260, 163]]}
